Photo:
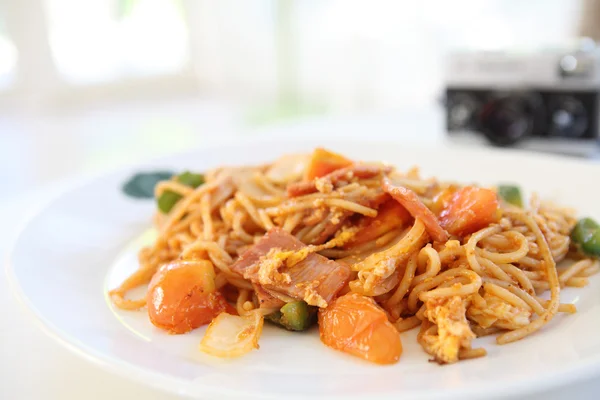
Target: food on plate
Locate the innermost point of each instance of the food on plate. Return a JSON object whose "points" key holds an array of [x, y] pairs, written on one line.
{"points": [[586, 235], [355, 324], [294, 316], [231, 336], [362, 249], [181, 296], [511, 194]]}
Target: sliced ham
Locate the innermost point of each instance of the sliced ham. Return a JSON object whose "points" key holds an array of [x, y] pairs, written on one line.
{"points": [[331, 228], [315, 279], [416, 208], [266, 299], [346, 174]]}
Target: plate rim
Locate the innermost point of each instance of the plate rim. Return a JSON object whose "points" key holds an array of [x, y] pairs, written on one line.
{"points": [[168, 384]]}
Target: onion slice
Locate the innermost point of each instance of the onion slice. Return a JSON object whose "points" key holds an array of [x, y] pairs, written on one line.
{"points": [[288, 168], [230, 336]]}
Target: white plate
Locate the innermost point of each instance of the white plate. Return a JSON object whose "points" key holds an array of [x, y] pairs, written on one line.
{"points": [[85, 241]]}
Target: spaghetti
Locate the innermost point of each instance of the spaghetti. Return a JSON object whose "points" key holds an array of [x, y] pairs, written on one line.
{"points": [[456, 261]]}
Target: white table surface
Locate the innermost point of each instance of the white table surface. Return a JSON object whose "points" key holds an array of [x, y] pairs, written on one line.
{"points": [[33, 366]]}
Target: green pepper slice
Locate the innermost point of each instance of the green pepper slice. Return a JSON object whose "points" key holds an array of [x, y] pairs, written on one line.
{"points": [[191, 179], [511, 194], [168, 199]]}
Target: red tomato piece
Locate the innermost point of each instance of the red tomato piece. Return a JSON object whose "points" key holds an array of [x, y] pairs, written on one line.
{"points": [[469, 210], [177, 302], [356, 325], [442, 199], [323, 162], [390, 215]]}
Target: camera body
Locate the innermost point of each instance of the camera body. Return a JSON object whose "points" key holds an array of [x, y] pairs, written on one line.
{"points": [[543, 99]]}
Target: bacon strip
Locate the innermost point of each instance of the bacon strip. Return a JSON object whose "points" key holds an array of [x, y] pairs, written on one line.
{"points": [[416, 208], [360, 171], [324, 277]]}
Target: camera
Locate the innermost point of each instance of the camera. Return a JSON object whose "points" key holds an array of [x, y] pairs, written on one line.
{"points": [[547, 99]]}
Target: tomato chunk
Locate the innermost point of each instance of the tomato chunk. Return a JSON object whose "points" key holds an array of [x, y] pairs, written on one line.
{"points": [[356, 325], [322, 162], [442, 199], [177, 301], [390, 215], [469, 210]]}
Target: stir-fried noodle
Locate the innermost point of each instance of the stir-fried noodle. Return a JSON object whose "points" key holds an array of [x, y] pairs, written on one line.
{"points": [[454, 268]]}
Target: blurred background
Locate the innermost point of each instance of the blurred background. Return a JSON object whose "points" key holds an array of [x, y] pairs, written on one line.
{"points": [[90, 85], [86, 85]]}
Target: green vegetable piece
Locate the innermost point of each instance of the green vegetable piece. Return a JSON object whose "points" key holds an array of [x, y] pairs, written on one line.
{"points": [[167, 201], [586, 235], [583, 228], [274, 317], [592, 245], [295, 316], [511, 194], [141, 185], [191, 179]]}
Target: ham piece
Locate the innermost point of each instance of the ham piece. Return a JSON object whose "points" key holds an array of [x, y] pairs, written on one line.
{"points": [[416, 208], [315, 279], [266, 299], [360, 171]]}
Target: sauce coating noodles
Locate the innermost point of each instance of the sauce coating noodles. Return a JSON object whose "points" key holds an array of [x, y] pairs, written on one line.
{"points": [[469, 284]]}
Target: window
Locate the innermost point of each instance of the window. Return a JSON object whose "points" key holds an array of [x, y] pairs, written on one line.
{"points": [[98, 41], [8, 58]]}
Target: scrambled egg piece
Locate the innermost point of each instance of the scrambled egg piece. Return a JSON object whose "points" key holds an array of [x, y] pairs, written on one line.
{"points": [[323, 185], [270, 264], [311, 296], [336, 216], [269, 274], [342, 238], [453, 331], [268, 267], [499, 314]]}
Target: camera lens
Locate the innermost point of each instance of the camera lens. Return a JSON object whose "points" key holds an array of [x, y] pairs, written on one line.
{"points": [[506, 120], [462, 111], [568, 118]]}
